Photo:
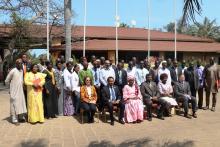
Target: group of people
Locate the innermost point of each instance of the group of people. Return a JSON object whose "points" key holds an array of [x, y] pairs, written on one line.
{"points": [[46, 91]]}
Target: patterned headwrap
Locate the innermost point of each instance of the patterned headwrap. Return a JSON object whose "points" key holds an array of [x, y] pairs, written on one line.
{"points": [[130, 77]]}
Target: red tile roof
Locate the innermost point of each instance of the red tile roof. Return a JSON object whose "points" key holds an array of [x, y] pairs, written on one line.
{"points": [[103, 38], [132, 33], [104, 32], [135, 45]]}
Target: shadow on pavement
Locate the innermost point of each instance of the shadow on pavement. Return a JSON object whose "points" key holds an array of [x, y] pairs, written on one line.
{"points": [[8, 119], [142, 143], [35, 143]]}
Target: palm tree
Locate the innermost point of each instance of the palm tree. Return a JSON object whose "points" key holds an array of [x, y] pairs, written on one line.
{"points": [[208, 29], [124, 25], [190, 8], [68, 27]]}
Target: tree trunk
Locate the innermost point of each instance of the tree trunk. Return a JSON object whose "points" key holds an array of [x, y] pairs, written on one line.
{"points": [[68, 26]]}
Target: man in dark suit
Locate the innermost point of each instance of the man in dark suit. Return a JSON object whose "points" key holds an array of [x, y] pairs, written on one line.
{"points": [[121, 77], [26, 68], [151, 95], [155, 71], [25, 64], [111, 97], [183, 94], [148, 67], [175, 71], [192, 77]]}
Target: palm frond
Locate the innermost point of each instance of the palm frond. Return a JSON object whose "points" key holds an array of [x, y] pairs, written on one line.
{"points": [[191, 7]]}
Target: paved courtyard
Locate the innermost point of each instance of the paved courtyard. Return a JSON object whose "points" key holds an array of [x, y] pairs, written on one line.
{"points": [[68, 132]]}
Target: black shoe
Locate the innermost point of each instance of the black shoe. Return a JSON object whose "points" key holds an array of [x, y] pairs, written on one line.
{"points": [[121, 121], [213, 109], [194, 115], [187, 116], [22, 120], [160, 117], [91, 120], [54, 116], [149, 118], [112, 123]]}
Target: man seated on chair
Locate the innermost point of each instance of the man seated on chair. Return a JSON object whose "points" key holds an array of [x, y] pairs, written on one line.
{"points": [[151, 95], [183, 94], [111, 97]]}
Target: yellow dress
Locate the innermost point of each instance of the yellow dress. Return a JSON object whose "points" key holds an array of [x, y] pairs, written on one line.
{"points": [[34, 97]]}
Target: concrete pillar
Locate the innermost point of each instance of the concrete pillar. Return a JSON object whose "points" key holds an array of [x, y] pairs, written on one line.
{"points": [[111, 56], [162, 55]]}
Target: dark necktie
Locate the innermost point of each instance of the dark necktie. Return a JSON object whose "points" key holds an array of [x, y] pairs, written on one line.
{"points": [[96, 76], [112, 93]]}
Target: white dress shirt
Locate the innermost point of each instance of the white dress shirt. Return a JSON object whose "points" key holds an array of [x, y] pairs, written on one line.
{"points": [[67, 79], [141, 75], [75, 82], [105, 73]]}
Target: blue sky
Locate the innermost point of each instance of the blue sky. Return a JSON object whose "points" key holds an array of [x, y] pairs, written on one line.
{"points": [[102, 12]]}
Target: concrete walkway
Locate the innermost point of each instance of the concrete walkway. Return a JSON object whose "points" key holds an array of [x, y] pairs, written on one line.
{"points": [[68, 132], [2, 86]]}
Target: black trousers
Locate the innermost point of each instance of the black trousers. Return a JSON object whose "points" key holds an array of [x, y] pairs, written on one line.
{"points": [[200, 94], [186, 102], [162, 106], [193, 91], [121, 106], [90, 110], [98, 103], [101, 101], [208, 99]]}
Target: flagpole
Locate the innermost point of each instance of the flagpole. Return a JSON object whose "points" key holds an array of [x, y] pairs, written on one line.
{"points": [[116, 31], [175, 43], [84, 28], [48, 35], [149, 33]]}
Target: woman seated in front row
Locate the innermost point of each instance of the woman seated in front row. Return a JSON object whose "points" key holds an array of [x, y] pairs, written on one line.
{"points": [[166, 91], [133, 102], [88, 99]]}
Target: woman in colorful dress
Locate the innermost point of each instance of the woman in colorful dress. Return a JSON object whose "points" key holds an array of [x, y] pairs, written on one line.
{"points": [[59, 85], [35, 81], [68, 87], [88, 99], [50, 98], [133, 102]]}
